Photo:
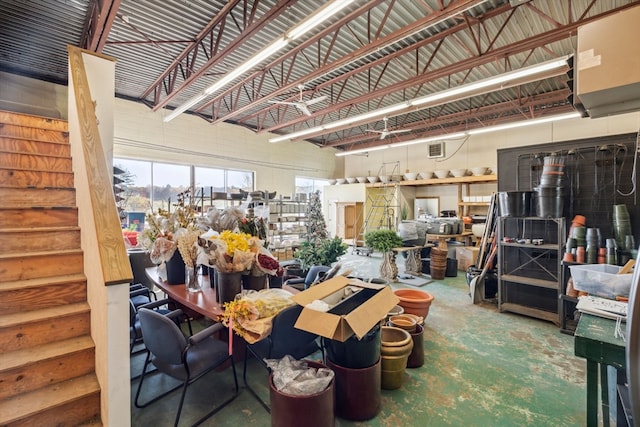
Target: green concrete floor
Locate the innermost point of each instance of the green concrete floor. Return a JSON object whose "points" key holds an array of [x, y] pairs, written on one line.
{"points": [[482, 368]]}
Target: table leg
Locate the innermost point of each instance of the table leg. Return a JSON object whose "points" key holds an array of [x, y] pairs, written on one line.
{"points": [[604, 394], [592, 393]]}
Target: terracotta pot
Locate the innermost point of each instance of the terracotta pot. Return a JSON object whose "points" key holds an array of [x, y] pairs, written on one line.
{"points": [[414, 301], [403, 321], [318, 410], [395, 347]]}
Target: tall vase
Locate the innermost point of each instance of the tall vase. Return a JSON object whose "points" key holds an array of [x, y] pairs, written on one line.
{"points": [[388, 267], [191, 280], [229, 285], [175, 269]]}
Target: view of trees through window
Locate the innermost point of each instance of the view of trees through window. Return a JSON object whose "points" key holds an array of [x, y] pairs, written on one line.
{"points": [[152, 185]]}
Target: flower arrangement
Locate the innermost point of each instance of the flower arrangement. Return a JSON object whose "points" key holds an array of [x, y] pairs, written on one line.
{"points": [[228, 251], [255, 226], [159, 236], [187, 243], [250, 315]]}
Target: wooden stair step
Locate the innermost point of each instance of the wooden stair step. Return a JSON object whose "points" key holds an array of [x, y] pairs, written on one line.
{"points": [[26, 370], [33, 239], [38, 217], [34, 328], [19, 145], [68, 403], [37, 197], [35, 162], [34, 134], [20, 178], [36, 294], [30, 120], [22, 266]]}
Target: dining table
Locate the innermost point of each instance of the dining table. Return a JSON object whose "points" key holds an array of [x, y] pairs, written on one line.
{"points": [[203, 302]]}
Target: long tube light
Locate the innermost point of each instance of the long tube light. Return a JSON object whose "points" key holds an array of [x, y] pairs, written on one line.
{"points": [[293, 33], [524, 123], [362, 150], [450, 95], [457, 135], [492, 81]]}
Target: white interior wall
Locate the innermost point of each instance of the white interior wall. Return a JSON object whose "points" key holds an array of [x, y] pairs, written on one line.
{"points": [[140, 133], [481, 150]]}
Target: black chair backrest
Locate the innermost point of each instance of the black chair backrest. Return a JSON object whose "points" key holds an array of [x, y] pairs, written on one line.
{"points": [[162, 336], [287, 339]]}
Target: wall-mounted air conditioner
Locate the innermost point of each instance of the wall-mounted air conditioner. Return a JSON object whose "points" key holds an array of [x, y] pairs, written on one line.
{"points": [[435, 150]]}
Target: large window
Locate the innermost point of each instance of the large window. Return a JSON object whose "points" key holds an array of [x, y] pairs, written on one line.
{"points": [[150, 185], [310, 185]]}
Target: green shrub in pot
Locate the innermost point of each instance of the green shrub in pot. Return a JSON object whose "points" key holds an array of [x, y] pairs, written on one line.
{"points": [[382, 240]]}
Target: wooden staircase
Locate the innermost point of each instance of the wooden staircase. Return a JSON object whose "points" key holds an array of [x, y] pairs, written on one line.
{"points": [[47, 355]]}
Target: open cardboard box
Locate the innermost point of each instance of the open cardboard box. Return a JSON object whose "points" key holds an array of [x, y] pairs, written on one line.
{"points": [[356, 314]]}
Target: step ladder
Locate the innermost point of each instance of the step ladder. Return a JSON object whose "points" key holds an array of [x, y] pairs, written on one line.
{"points": [[381, 208]]}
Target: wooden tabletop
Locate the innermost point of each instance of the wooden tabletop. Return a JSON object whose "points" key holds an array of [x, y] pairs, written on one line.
{"points": [[203, 302]]}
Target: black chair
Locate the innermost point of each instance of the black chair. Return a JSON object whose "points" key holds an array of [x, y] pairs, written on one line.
{"points": [[284, 339], [140, 295], [184, 358], [301, 284], [163, 306]]}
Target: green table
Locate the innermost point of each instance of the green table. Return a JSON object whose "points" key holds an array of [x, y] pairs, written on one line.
{"points": [[595, 341]]}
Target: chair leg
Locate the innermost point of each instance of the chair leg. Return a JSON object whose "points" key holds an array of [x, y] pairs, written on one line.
{"points": [[223, 404], [246, 384], [144, 373]]}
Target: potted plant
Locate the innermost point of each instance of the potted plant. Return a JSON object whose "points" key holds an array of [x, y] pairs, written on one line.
{"points": [[320, 252], [383, 241]]}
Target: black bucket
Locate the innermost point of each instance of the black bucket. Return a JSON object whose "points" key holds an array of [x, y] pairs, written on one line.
{"points": [[490, 280], [550, 202], [452, 268], [516, 203], [354, 353]]}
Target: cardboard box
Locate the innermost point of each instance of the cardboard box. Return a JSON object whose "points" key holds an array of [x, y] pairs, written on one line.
{"points": [[466, 257], [358, 320]]}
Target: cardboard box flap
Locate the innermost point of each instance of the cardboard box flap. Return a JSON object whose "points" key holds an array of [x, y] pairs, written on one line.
{"points": [[319, 323], [318, 292], [361, 321]]}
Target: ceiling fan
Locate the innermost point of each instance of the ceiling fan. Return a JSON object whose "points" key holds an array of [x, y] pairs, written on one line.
{"points": [[385, 132], [302, 105]]}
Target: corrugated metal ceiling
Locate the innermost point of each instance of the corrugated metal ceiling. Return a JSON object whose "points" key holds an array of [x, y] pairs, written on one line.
{"points": [[396, 50]]}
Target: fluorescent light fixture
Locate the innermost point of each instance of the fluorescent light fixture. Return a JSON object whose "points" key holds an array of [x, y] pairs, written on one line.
{"points": [[505, 126], [448, 95], [493, 81], [457, 135], [430, 139], [317, 18], [247, 65], [184, 107], [362, 150], [303, 27]]}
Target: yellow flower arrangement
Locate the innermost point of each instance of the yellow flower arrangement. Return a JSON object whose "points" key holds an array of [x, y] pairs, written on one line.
{"points": [[228, 251], [235, 241], [251, 313]]}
